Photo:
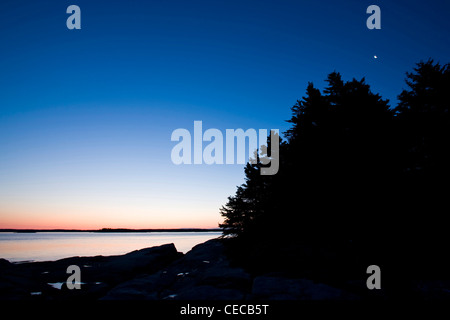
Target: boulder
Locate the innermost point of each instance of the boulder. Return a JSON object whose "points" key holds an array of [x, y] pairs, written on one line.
{"points": [[207, 292], [99, 274], [4, 263], [281, 288], [203, 273]]}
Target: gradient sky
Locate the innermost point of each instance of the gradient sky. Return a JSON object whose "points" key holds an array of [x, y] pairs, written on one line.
{"points": [[86, 115]]}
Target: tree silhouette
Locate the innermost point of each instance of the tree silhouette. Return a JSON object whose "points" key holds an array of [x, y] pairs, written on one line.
{"points": [[333, 150], [356, 178], [423, 139], [423, 116], [246, 209]]}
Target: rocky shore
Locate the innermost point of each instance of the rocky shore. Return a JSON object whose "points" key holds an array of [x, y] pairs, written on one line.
{"points": [[157, 273], [161, 273]]}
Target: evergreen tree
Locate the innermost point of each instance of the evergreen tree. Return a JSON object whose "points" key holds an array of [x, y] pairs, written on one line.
{"points": [[331, 158], [357, 179], [423, 140]]}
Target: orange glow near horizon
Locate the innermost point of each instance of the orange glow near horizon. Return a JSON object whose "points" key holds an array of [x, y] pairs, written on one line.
{"points": [[17, 219], [170, 206], [89, 226], [81, 225]]}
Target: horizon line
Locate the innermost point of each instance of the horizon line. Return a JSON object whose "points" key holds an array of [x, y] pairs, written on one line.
{"points": [[110, 230]]}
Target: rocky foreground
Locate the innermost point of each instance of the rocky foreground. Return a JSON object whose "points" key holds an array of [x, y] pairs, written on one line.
{"points": [[157, 273], [162, 273]]}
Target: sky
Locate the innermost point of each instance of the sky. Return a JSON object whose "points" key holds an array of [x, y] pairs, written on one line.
{"points": [[86, 116]]}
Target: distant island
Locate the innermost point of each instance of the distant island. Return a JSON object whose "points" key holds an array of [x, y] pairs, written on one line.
{"points": [[112, 230]]}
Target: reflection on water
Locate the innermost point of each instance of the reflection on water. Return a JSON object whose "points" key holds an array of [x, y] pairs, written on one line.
{"points": [[43, 246]]}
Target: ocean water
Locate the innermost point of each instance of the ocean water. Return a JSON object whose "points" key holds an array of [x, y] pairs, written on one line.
{"points": [[46, 246]]}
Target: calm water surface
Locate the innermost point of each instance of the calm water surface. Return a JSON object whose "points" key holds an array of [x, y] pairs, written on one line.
{"points": [[44, 246]]}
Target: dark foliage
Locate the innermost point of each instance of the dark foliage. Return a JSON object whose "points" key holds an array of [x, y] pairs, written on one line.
{"points": [[359, 183]]}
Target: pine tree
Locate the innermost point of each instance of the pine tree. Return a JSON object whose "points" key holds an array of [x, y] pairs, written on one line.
{"points": [[358, 180]]}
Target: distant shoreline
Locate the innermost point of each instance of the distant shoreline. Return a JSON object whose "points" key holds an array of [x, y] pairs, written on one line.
{"points": [[106, 230]]}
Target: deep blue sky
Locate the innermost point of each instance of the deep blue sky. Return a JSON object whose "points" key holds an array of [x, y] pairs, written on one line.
{"points": [[86, 115]]}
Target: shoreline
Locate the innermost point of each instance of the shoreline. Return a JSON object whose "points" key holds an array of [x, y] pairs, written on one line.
{"points": [[161, 273], [113, 230], [20, 248]]}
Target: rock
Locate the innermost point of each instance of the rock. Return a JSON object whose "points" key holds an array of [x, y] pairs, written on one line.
{"points": [[99, 274], [140, 288], [207, 292], [280, 288], [159, 273], [434, 290], [4, 263], [148, 260], [223, 276], [203, 273]]}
